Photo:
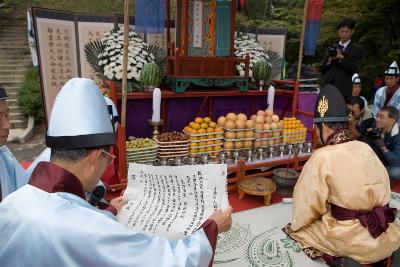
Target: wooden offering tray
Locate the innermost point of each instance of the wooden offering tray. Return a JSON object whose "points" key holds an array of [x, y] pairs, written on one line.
{"points": [[257, 186]]}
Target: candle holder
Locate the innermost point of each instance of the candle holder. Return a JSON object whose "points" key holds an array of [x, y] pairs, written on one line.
{"points": [[192, 160], [261, 85], [204, 158], [222, 157], [281, 150], [309, 147], [271, 151], [155, 125], [178, 161], [236, 156], [249, 153], [290, 150], [300, 146], [260, 153]]}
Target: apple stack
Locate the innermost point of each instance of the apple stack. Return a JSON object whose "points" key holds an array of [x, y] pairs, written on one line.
{"points": [[239, 131], [268, 128]]}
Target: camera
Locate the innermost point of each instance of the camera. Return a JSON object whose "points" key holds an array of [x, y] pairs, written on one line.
{"points": [[333, 49], [376, 133]]}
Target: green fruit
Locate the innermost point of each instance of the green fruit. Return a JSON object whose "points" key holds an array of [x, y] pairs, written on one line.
{"points": [[150, 75], [261, 70]]}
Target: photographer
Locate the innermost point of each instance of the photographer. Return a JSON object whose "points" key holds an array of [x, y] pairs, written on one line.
{"points": [[342, 59], [388, 141], [360, 117]]}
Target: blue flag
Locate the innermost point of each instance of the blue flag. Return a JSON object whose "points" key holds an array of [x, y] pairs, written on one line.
{"points": [[150, 16]]}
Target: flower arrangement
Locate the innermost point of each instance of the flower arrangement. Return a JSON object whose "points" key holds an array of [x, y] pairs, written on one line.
{"points": [[244, 45], [105, 55]]}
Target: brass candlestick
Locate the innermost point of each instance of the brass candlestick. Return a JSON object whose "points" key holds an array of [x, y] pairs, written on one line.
{"points": [[155, 125]]}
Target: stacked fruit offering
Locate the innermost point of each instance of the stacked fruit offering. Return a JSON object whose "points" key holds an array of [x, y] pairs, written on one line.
{"points": [[268, 128], [141, 150], [293, 131], [239, 131], [172, 144], [205, 136]]}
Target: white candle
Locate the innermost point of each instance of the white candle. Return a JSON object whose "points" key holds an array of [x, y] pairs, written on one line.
{"points": [[156, 105], [271, 96]]}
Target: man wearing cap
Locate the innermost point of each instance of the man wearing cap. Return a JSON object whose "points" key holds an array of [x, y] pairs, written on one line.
{"points": [[12, 175], [48, 222], [388, 95], [356, 90], [339, 66], [342, 191]]}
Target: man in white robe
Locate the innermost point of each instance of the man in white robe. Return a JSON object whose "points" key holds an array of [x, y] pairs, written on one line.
{"points": [[12, 175], [48, 222], [388, 95]]}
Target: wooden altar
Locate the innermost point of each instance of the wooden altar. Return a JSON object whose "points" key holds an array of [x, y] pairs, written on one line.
{"points": [[202, 54]]}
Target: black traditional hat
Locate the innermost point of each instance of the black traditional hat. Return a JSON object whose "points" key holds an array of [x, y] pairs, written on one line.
{"points": [[330, 106], [3, 94]]}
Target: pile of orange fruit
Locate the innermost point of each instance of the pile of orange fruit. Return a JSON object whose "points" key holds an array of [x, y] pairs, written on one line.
{"points": [[203, 126], [293, 131], [205, 136]]}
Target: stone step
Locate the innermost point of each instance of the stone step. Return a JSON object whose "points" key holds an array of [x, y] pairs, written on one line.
{"points": [[13, 29], [16, 115], [16, 48], [12, 95], [12, 35], [15, 124], [15, 58], [20, 71], [7, 45], [11, 78], [15, 65], [15, 108], [10, 52], [14, 39], [12, 102], [6, 84]]}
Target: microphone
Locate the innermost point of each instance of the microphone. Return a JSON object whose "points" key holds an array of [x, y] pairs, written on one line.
{"points": [[96, 195]]}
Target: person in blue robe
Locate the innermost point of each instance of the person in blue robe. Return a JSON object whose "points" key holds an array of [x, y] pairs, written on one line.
{"points": [[48, 222], [12, 174], [388, 95]]}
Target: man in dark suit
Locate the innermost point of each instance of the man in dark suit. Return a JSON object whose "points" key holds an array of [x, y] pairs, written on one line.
{"points": [[342, 59]]}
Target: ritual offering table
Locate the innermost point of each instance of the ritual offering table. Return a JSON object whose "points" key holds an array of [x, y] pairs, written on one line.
{"points": [[257, 186]]}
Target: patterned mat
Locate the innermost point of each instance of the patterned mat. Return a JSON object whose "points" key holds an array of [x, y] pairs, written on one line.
{"points": [[256, 239]]}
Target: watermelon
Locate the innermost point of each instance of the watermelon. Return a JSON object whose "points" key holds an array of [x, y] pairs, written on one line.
{"points": [[261, 70], [150, 75]]}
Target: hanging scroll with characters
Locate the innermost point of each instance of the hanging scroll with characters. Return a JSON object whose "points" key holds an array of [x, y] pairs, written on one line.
{"points": [[58, 56]]}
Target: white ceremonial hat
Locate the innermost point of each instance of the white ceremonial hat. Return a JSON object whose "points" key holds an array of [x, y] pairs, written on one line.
{"points": [[356, 79], [393, 70], [80, 117]]}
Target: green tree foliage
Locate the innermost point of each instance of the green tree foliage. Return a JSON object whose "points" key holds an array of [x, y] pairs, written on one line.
{"points": [[377, 29], [30, 95]]}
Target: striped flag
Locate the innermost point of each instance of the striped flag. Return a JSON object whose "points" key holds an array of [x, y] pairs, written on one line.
{"points": [[314, 11]]}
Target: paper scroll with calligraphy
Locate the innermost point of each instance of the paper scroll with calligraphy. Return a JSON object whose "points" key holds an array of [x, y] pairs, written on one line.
{"points": [[90, 31], [173, 201], [58, 56]]}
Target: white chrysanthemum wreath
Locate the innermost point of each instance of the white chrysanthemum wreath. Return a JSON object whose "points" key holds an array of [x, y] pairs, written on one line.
{"points": [[111, 59]]}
